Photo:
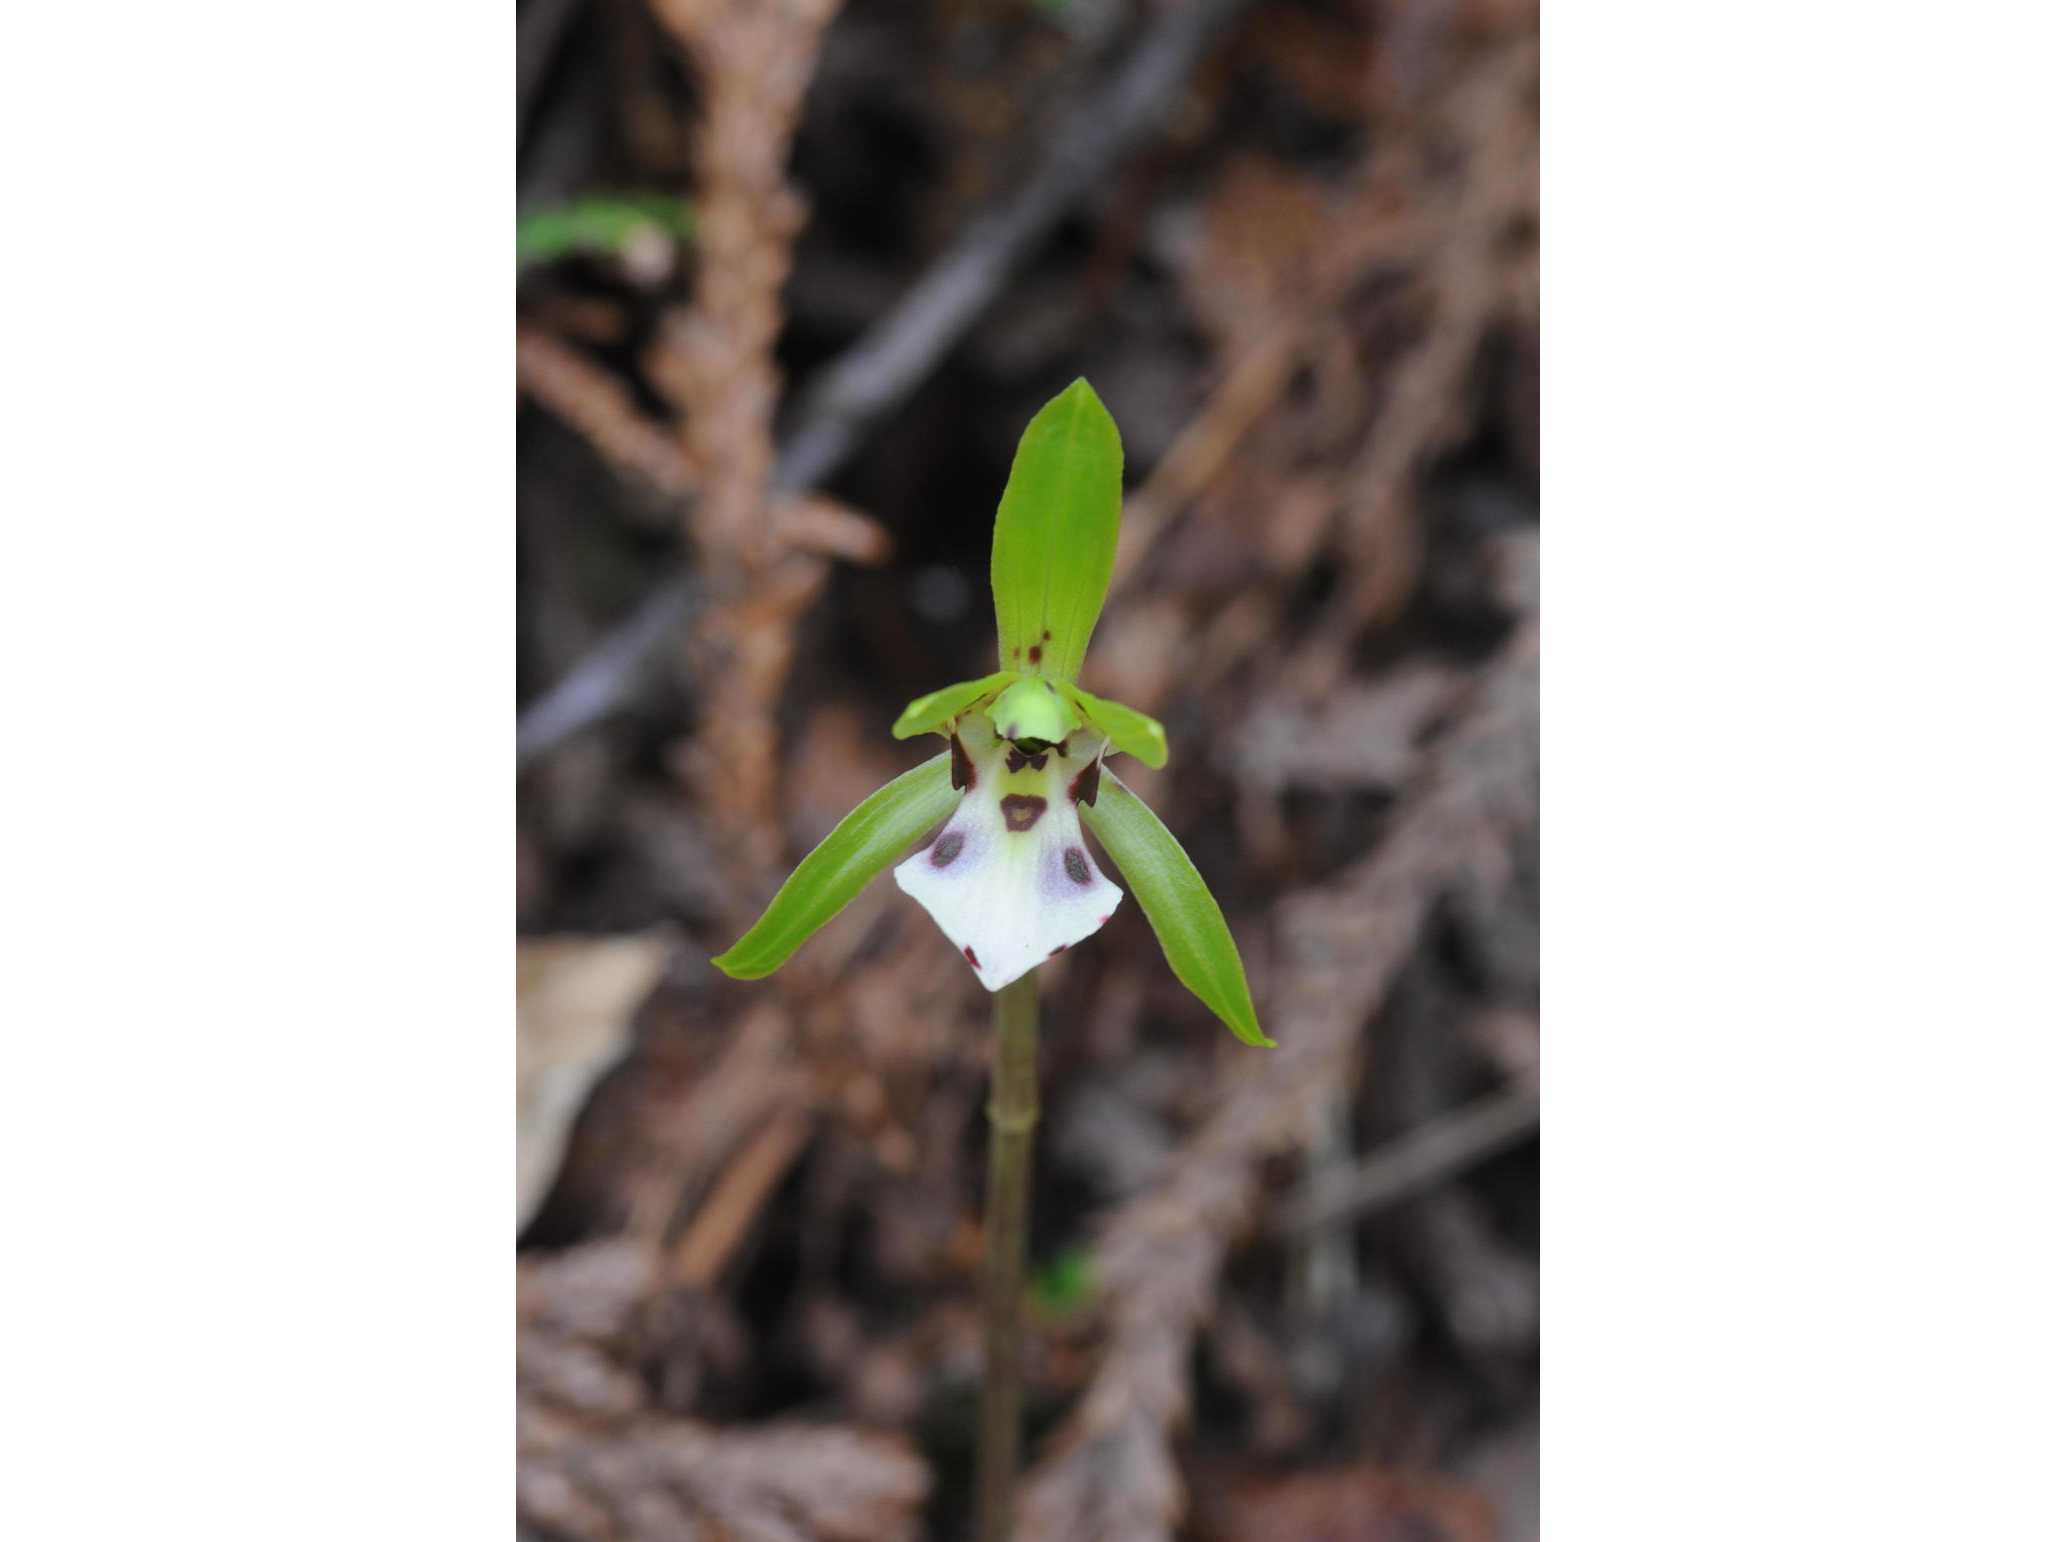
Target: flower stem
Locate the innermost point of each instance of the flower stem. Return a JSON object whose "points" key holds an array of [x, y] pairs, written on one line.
{"points": [[1012, 1112]]}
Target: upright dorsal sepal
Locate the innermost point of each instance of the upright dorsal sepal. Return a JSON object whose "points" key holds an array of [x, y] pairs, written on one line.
{"points": [[1053, 546]]}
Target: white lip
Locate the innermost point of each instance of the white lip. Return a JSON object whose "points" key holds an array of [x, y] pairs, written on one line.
{"points": [[1009, 879]]}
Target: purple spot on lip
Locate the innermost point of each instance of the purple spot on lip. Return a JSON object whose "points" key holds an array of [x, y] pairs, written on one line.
{"points": [[973, 957], [1075, 868], [945, 850]]}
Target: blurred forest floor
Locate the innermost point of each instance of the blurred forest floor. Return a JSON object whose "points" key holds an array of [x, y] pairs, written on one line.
{"points": [[1278, 1295]]}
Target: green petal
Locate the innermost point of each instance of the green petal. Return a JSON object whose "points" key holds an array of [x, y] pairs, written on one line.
{"points": [[869, 839], [927, 714], [1053, 546], [1188, 922], [1032, 709], [1133, 733]]}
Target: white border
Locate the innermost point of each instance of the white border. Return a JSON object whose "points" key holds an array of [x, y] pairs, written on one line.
{"points": [[1797, 829], [256, 602]]}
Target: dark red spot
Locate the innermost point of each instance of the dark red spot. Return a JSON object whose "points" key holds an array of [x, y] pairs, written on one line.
{"points": [[973, 957], [1105, 918], [1045, 634], [944, 851], [1022, 810], [961, 772], [1017, 758], [1063, 749], [1035, 654], [1053, 952], [1085, 785], [1075, 868]]}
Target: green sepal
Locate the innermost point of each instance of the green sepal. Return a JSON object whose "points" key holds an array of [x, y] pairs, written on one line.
{"points": [[928, 714], [1133, 733], [1182, 911], [1053, 544], [1032, 709], [871, 836]]}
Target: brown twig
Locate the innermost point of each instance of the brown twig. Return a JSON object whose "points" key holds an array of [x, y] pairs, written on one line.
{"points": [[1204, 446], [1431, 213], [1414, 1162], [724, 1220], [715, 362], [690, 1137], [599, 406], [1489, 120]]}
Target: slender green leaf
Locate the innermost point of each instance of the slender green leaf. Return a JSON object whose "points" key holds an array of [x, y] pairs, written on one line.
{"points": [[1134, 733], [1188, 922], [874, 833], [927, 714], [1032, 709], [1053, 545]]}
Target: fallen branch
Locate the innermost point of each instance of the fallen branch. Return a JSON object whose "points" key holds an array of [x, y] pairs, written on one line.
{"points": [[903, 346], [722, 1222], [598, 681], [1415, 1162]]}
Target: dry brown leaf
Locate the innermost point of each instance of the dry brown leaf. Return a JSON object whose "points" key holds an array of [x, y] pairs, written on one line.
{"points": [[574, 999]]}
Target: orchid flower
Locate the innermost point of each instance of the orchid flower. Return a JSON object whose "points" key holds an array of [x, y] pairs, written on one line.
{"points": [[1009, 878]]}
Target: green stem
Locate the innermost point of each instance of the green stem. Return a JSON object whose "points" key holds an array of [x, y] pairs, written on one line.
{"points": [[1013, 1113]]}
